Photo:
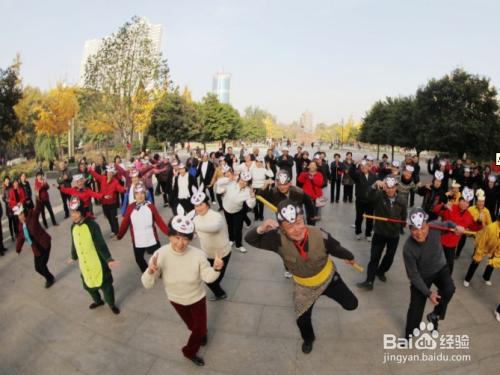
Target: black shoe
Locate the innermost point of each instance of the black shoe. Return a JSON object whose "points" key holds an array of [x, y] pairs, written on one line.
{"points": [[366, 285], [382, 277], [93, 305], [198, 361], [433, 318], [115, 309], [2, 252], [165, 204], [222, 296], [50, 282], [307, 347], [66, 216], [55, 224], [204, 340], [457, 256]]}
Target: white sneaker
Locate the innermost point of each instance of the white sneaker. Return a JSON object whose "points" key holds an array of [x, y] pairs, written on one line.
{"points": [[287, 275], [214, 202], [248, 225], [497, 315], [488, 282], [466, 283], [231, 243], [369, 239], [358, 237], [353, 225], [241, 249]]}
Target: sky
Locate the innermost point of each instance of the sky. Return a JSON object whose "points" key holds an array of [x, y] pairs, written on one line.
{"points": [[333, 58]]}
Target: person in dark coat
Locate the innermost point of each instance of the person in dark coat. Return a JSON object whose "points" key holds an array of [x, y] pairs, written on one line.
{"points": [[32, 232], [205, 172]]}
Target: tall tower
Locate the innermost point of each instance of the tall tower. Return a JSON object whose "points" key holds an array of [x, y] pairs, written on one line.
{"points": [[306, 122], [220, 86]]}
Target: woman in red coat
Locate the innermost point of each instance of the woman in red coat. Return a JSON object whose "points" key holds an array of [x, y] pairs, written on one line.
{"points": [[42, 194], [312, 183], [31, 231], [17, 197]]}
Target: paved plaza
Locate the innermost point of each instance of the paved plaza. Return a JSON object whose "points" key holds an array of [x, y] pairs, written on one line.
{"points": [[252, 332]]}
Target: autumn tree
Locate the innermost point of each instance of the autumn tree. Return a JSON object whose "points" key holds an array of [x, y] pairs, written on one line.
{"points": [[10, 95], [58, 108], [27, 113]]}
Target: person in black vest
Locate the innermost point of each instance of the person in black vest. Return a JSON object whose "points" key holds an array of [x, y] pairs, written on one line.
{"points": [[64, 180], [363, 180], [386, 203], [25, 184], [229, 157], [336, 173], [433, 194], [285, 161], [183, 189], [205, 172]]}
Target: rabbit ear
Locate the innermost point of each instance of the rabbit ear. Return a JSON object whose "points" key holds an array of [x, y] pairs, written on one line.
{"points": [[202, 187], [191, 214], [194, 190], [180, 210]]}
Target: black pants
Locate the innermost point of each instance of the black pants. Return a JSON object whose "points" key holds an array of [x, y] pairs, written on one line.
{"points": [[15, 224], [111, 213], [378, 244], [41, 265], [163, 186], [46, 205], [215, 286], [1, 236], [246, 219], [336, 290], [259, 211], [185, 203], [348, 193], [235, 226], [65, 199], [139, 255], [449, 254], [412, 198], [211, 193], [219, 200], [472, 269], [442, 279], [363, 208], [107, 290], [461, 244], [335, 190]]}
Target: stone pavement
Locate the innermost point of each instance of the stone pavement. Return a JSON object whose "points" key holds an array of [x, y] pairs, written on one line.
{"points": [[252, 332]]}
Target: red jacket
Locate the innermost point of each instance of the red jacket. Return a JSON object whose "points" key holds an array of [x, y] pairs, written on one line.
{"points": [[465, 219], [42, 189], [311, 186], [108, 189], [21, 197], [85, 196], [41, 240], [126, 222]]}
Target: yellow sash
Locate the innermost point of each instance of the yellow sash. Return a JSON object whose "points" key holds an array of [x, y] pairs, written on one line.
{"points": [[317, 279]]}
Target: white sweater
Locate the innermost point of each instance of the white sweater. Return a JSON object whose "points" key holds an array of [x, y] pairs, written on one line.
{"points": [[259, 177], [234, 197], [182, 274], [212, 231]]}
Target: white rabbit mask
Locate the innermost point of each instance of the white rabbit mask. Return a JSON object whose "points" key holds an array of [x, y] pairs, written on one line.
{"points": [[183, 223], [198, 196]]}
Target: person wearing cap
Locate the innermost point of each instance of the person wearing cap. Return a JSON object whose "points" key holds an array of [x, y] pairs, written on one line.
{"points": [[84, 193], [305, 252], [42, 194], [432, 193], [285, 161], [387, 203], [183, 269], [347, 181], [182, 188], [492, 195], [364, 180], [236, 195], [395, 169], [458, 214], [442, 166], [205, 173], [94, 259], [31, 231], [64, 180], [262, 178], [142, 217], [454, 193], [426, 264], [481, 216], [336, 174], [110, 187], [406, 183], [211, 229], [487, 245]]}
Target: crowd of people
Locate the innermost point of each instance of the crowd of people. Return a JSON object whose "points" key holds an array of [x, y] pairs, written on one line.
{"points": [[214, 195]]}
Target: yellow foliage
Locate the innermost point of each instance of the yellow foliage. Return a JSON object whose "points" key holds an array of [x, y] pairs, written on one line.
{"points": [[273, 130], [100, 126], [57, 109]]}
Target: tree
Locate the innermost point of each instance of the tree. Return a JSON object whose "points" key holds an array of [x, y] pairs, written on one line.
{"points": [[26, 111], [10, 95], [125, 64], [253, 125], [459, 113], [173, 119], [58, 108], [219, 121], [45, 147]]}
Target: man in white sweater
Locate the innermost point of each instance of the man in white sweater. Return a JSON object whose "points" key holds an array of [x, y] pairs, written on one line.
{"points": [[214, 239], [183, 268]]}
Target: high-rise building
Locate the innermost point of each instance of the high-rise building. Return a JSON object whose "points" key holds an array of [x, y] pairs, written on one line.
{"points": [[221, 85], [306, 122], [91, 47]]}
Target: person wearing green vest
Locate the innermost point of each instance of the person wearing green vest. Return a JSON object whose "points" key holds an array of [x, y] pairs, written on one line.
{"points": [[95, 261], [305, 251]]}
